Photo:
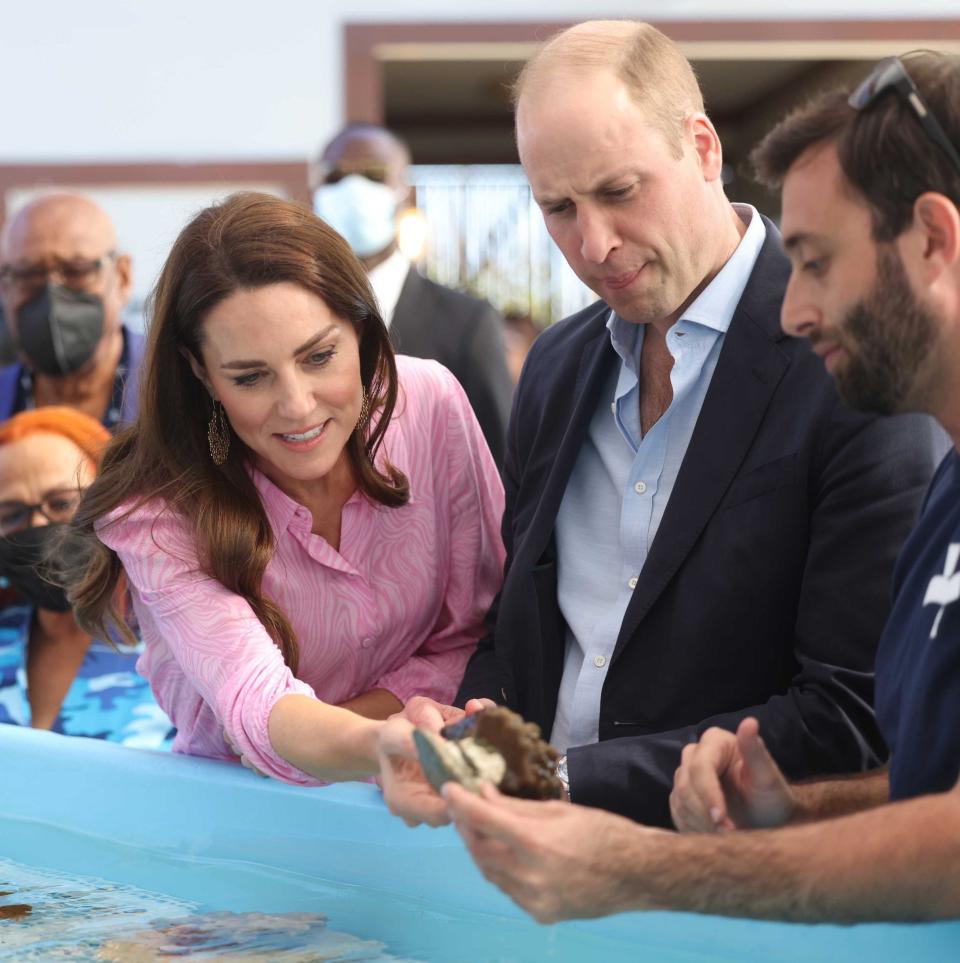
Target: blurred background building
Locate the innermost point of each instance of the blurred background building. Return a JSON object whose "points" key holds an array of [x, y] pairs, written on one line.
{"points": [[157, 107]]}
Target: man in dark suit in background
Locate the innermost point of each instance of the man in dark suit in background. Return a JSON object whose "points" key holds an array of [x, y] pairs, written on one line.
{"points": [[697, 528], [360, 186]]}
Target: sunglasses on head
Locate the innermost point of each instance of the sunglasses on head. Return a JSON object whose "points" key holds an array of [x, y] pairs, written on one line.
{"points": [[890, 74]]}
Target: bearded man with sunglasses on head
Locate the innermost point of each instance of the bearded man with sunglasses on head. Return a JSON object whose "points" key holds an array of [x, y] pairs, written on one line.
{"points": [[64, 286], [360, 188], [871, 221]]}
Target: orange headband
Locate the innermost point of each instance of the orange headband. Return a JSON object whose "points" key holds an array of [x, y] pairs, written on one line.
{"points": [[85, 432]]}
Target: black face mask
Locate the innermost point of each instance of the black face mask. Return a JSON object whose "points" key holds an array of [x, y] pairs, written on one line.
{"points": [[23, 561], [59, 329]]}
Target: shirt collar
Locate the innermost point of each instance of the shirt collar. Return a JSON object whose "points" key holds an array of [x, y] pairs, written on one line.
{"points": [[714, 307], [387, 279], [281, 509]]}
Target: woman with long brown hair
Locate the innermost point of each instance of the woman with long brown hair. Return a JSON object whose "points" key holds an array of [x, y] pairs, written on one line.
{"points": [[308, 527]]}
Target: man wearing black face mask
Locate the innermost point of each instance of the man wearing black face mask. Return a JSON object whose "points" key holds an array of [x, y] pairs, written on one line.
{"points": [[64, 286]]}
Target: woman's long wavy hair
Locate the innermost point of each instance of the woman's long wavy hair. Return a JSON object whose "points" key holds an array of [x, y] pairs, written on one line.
{"points": [[248, 241]]}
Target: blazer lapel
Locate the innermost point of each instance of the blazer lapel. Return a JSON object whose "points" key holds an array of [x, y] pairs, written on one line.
{"points": [[596, 356], [747, 374]]}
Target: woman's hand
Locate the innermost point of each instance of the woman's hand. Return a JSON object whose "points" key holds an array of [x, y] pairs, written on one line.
{"points": [[405, 788]]}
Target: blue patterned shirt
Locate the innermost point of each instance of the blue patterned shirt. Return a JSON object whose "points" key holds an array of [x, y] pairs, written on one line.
{"points": [[107, 700]]}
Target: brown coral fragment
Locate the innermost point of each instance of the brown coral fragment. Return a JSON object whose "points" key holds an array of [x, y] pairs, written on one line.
{"points": [[493, 745]]}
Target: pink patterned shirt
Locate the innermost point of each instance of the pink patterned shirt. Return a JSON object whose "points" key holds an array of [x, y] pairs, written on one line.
{"points": [[400, 606]]}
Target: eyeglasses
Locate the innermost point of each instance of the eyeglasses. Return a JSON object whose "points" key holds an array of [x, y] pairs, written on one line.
{"points": [[77, 274], [378, 173], [890, 74], [57, 506]]}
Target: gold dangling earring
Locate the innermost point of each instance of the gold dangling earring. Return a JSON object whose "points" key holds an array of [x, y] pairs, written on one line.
{"points": [[218, 434], [364, 411]]}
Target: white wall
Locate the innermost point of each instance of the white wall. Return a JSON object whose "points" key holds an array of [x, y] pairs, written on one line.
{"points": [[137, 80]]}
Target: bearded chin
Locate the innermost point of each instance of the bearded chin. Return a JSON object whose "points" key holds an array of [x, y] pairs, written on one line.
{"points": [[871, 380], [889, 339]]}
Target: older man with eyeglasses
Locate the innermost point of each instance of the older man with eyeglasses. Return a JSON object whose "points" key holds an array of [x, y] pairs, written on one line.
{"points": [[63, 286], [871, 221]]}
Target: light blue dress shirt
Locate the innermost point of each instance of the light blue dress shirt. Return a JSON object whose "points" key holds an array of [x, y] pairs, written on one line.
{"points": [[622, 481]]}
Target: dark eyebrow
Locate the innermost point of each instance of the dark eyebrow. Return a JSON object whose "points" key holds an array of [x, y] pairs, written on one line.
{"points": [[306, 346], [796, 239]]}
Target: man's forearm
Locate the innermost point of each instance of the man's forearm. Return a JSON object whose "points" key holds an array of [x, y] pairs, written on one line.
{"points": [[828, 798], [897, 862]]}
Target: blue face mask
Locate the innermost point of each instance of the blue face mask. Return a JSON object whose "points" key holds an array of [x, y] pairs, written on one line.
{"points": [[363, 212]]}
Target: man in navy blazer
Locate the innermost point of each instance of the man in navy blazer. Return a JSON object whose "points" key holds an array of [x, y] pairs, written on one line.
{"points": [[697, 528]]}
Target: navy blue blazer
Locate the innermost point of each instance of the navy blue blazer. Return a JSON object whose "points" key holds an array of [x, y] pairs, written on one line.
{"points": [[768, 583]]}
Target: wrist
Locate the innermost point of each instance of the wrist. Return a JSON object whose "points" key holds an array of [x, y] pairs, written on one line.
{"points": [[366, 743], [640, 858], [325, 741]]}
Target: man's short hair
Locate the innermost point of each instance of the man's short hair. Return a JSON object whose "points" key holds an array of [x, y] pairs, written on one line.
{"points": [[658, 76], [885, 153]]}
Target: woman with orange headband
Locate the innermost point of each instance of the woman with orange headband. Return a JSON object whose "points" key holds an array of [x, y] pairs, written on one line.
{"points": [[52, 675]]}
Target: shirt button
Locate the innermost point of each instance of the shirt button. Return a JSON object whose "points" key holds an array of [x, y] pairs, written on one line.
{"points": [[367, 642], [640, 488], [599, 661], [613, 407], [633, 582]]}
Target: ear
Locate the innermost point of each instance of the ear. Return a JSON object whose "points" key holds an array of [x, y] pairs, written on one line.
{"points": [[199, 372], [314, 173], [936, 226], [124, 269], [706, 143], [406, 196]]}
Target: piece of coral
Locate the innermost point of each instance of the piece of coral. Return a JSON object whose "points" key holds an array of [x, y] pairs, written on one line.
{"points": [[494, 745]]}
